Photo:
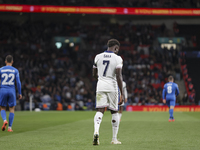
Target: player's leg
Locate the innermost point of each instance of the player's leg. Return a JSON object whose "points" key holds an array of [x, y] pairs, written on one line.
{"points": [[121, 107], [12, 104], [3, 104], [120, 112], [3, 115], [97, 119], [101, 103], [171, 109], [11, 118], [113, 106], [168, 104], [115, 126]]}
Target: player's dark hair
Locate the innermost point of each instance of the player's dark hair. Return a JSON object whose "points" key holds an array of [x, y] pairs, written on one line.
{"points": [[170, 78], [113, 42], [9, 58]]}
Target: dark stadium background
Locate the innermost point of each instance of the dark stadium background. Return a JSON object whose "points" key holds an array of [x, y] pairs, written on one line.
{"points": [[54, 52]]}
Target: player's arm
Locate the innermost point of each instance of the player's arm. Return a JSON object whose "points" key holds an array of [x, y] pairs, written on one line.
{"points": [[125, 94], [120, 78], [119, 82], [177, 90], [163, 95], [94, 70], [95, 73], [18, 85]]}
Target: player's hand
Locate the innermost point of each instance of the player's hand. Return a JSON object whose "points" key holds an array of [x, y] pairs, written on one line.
{"points": [[164, 101], [125, 100], [121, 100], [20, 96]]}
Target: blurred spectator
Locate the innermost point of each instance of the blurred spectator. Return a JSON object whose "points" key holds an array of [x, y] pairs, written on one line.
{"points": [[185, 98], [46, 98], [55, 75], [192, 97], [77, 107], [58, 96], [89, 104]]}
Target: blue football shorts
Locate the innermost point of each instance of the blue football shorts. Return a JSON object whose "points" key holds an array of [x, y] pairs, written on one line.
{"points": [[170, 102], [7, 96]]}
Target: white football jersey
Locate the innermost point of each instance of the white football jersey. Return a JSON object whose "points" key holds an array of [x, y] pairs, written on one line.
{"points": [[106, 64]]}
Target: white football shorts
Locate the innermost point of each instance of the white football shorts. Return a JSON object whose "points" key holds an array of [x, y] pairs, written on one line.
{"points": [[107, 99]]}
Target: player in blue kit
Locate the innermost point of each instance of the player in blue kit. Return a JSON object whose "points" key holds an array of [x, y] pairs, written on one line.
{"points": [[7, 92], [169, 94]]}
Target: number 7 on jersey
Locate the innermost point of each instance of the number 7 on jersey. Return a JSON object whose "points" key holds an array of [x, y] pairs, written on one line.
{"points": [[105, 62]]}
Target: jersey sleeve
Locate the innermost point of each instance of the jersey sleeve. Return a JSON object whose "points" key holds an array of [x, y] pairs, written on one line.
{"points": [[177, 90], [164, 92], [125, 90], [18, 82], [119, 62], [95, 62]]}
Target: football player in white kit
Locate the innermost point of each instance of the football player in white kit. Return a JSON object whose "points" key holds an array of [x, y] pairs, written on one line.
{"points": [[125, 100], [107, 69]]}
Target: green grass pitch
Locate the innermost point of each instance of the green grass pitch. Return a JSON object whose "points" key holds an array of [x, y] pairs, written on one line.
{"points": [[65, 130]]}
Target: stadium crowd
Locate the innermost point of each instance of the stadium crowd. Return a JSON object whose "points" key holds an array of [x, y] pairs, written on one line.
{"points": [[63, 76], [112, 3]]}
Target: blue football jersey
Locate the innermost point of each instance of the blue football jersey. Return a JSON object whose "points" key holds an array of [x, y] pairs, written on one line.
{"points": [[170, 91], [8, 76]]}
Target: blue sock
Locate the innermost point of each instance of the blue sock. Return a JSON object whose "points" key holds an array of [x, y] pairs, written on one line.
{"points": [[171, 111], [11, 118], [3, 114]]}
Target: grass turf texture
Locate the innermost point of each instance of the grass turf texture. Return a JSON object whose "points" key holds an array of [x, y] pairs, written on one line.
{"points": [[74, 130]]}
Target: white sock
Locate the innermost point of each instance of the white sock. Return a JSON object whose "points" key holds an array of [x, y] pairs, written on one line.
{"points": [[97, 121], [115, 125], [120, 115], [9, 127], [4, 120]]}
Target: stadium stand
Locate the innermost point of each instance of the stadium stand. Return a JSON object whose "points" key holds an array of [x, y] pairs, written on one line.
{"points": [[190, 32], [112, 3], [61, 75], [187, 79], [189, 73]]}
